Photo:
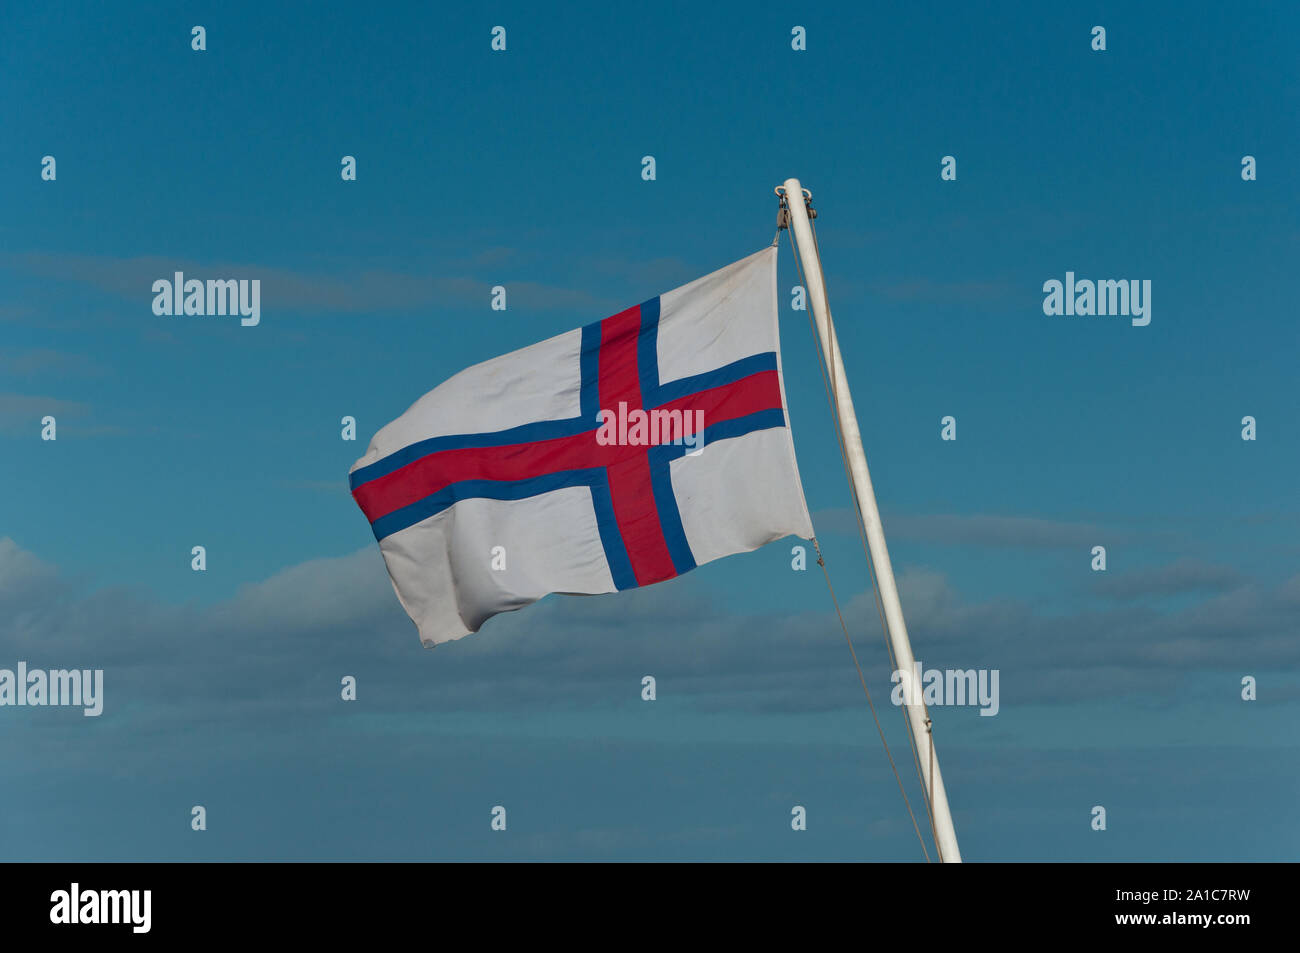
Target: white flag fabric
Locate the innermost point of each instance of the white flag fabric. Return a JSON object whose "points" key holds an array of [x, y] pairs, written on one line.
{"points": [[613, 456]]}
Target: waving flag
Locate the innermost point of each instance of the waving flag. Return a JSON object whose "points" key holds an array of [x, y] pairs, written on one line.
{"points": [[613, 456]]}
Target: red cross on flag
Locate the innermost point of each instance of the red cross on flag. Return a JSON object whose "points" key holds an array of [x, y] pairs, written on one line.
{"points": [[613, 456]]}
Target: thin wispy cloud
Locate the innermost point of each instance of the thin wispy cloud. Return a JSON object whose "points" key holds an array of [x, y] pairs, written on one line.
{"points": [[20, 414], [341, 289], [48, 362], [998, 531], [934, 291], [1184, 576]]}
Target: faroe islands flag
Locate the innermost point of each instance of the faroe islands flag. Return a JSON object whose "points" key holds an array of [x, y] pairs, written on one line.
{"points": [[613, 456]]}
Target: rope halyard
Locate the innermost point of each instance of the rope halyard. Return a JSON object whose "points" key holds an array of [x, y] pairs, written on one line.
{"points": [[827, 383], [833, 394], [870, 704]]}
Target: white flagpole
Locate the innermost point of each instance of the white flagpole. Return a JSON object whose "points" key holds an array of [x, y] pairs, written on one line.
{"points": [[812, 268]]}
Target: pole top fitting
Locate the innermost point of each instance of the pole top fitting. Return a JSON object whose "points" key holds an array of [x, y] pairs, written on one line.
{"points": [[783, 211]]}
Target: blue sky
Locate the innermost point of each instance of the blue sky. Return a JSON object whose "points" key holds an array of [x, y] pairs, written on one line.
{"points": [[523, 169]]}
